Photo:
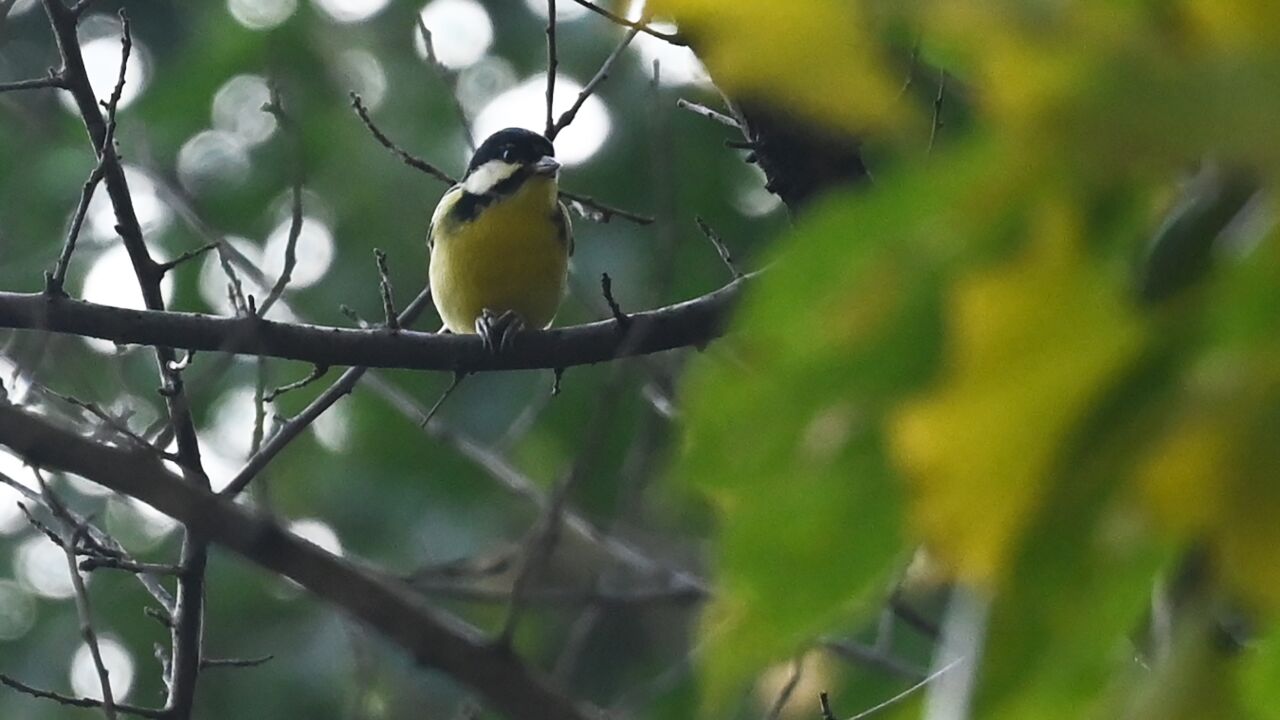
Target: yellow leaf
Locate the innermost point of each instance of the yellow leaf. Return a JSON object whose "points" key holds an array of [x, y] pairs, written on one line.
{"points": [[1213, 476], [817, 57], [1032, 344]]}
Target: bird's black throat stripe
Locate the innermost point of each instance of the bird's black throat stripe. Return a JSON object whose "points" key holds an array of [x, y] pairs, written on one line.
{"points": [[470, 204]]}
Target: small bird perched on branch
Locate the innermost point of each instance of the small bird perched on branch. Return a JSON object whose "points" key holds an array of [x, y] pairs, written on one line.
{"points": [[500, 241]]}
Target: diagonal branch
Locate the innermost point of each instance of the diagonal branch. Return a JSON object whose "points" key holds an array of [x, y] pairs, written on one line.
{"points": [[553, 129], [79, 702], [432, 638], [673, 38], [294, 427], [68, 539]]}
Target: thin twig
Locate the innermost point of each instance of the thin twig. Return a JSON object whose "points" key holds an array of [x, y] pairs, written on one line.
{"points": [[912, 65], [906, 693], [453, 385], [788, 689], [99, 562], [188, 256], [79, 702], [55, 281], [552, 65], [70, 532], [101, 539], [236, 662], [673, 38], [596, 211], [294, 427], [384, 289], [553, 129], [937, 109], [112, 423], [52, 80], [450, 79], [317, 372], [290, 251], [708, 113], [501, 470], [721, 248], [259, 405], [606, 287], [411, 160], [546, 535]]}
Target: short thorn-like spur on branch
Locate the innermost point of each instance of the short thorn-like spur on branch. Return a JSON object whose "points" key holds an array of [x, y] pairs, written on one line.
{"points": [[693, 323], [433, 638]]}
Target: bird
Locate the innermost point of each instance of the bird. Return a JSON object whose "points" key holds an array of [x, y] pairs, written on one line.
{"points": [[500, 241]]}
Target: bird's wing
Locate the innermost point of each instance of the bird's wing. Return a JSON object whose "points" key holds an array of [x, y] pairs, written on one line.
{"points": [[565, 223], [442, 208]]}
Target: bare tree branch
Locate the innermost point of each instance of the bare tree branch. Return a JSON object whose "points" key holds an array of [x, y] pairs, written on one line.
{"points": [[553, 64], [67, 541], [188, 611], [432, 638], [294, 427], [673, 38], [554, 128], [693, 323], [77, 701]]}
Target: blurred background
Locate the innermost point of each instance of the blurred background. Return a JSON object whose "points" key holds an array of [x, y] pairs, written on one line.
{"points": [[1040, 345], [203, 159]]}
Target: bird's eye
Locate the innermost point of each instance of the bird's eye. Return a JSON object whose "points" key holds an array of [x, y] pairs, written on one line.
{"points": [[506, 153]]}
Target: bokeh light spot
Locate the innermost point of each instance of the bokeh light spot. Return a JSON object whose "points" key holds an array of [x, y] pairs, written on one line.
{"points": [[110, 281], [237, 109], [525, 106], [461, 32], [115, 658], [317, 532], [42, 566], [100, 45], [333, 429], [482, 82], [261, 14], [153, 213], [359, 70], [314, 252], [678, 65], [12, 467], [566, 10], [212, 158], [17, 610], [350, 11]]}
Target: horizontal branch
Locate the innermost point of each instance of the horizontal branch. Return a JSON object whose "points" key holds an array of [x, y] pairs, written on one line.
{"points": [[692, 323], [433, 639], [52, 80]]}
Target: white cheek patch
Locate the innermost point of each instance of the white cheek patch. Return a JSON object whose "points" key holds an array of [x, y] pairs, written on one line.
{"points": [[482, 179]]}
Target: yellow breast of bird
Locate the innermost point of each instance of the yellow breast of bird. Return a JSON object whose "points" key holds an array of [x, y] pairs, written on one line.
{"points": [[514, 255]]}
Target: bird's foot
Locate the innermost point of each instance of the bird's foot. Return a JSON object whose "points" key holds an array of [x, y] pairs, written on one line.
{"points": [[498, 331]]}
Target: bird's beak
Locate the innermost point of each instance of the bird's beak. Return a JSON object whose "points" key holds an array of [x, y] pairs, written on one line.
{"points": [[546, 165]]}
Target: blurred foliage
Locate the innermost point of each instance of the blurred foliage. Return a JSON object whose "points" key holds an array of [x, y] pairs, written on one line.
{"points": [[1019, 350]]}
